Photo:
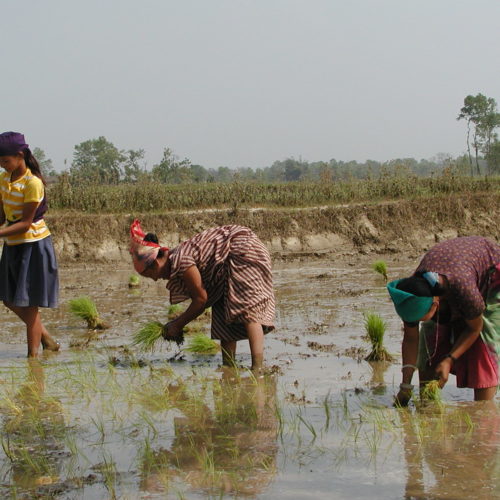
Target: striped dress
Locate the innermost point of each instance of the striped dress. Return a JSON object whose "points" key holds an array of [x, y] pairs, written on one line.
{"points": [[235, 268]]}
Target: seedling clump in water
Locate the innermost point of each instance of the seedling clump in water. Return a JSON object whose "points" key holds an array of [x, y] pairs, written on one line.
{"points": [[375, 328], [133, 281], [84, 308], [380, 267], [201, 344]]}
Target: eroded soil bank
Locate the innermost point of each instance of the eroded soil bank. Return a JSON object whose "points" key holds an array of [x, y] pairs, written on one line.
{"points": [[410, 226]]}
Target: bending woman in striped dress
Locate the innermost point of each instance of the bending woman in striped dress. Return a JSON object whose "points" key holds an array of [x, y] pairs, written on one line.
{"points": [[226, 268]]}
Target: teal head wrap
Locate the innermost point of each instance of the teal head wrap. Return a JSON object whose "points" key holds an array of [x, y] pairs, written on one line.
{"points": [[409, 307]]}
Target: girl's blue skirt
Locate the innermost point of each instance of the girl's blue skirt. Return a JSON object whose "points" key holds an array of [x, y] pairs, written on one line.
{"points": [[28, 274]]}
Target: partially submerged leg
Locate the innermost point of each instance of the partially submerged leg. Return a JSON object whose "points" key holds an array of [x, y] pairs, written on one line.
{"points": [[48, 342], [485, 394], [256, 339], [228, 348]]}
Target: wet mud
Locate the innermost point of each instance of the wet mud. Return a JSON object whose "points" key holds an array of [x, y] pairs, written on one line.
{"points": [[102, 419]]}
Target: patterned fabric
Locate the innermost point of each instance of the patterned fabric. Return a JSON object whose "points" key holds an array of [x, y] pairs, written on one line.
{"points": [[143, 252], [466, 262], [28, 188], [235, 268]]}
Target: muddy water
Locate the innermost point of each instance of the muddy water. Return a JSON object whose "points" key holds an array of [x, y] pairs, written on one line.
{"points": [[101, 420]]}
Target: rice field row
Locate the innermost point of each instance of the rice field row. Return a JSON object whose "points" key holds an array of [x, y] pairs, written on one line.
{"points": [[153, 197]]}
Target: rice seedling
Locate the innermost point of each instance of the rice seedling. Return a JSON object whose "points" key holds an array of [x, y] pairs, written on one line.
{"points": [[133, 281], [84, 308], [380, 267], [375, 328], [174, 310], [148, 336], [201, 344], [431, 391]]}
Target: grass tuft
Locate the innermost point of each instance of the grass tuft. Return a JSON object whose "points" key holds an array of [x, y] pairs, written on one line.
{"points": [[380, 267], [201, 344], [84, 308], [375, 328], [133, 281]]}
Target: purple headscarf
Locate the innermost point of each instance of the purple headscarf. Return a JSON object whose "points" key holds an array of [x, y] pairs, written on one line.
{"points": [[12, 143]]}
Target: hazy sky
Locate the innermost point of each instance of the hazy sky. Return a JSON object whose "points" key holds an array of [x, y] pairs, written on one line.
{"points": [[247, 82]]}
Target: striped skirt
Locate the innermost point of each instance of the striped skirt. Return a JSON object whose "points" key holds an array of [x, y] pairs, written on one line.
{"points": [[248, 295], [28, 274]]}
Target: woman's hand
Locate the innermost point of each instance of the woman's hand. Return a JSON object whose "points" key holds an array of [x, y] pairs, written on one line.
{"points": [[403, 397], [172, 330], [443, 371]]}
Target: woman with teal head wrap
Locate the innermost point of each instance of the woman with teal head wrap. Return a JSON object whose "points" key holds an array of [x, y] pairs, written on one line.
{"points": [[455, 293]]}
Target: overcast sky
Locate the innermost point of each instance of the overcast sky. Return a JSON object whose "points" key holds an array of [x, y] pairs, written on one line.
{"points": [[247, 82]]}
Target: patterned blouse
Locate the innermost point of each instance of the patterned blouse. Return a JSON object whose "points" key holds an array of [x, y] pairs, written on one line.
{"points": [[466, 262]]}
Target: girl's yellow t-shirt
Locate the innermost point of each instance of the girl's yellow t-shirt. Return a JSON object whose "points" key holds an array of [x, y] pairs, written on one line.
{"points": [[28, 188]]}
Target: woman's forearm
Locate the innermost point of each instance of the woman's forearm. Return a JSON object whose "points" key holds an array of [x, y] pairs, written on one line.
{"points": [[197, 306], [409, 351], [464, 342]]}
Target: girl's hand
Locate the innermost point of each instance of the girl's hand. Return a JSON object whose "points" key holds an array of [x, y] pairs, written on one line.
{"points": [[443, 371], [172, 330]]}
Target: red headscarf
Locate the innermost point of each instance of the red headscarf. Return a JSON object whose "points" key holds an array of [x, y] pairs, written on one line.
{"points": [[143, 252]]}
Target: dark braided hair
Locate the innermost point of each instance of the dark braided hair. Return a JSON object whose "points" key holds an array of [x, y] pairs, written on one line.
{"points": [[33, 164]]}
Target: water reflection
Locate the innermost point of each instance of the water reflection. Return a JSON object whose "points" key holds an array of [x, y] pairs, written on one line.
{"points": [[454, 453], [227, 445], [33, 432]]}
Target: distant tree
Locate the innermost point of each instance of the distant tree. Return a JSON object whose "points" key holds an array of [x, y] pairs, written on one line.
{"points": [[133, 166], [481, 116], [171, 170], [44, 162], [493, 157], [97, 160]]}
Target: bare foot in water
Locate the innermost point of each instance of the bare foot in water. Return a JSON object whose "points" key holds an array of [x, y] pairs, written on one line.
{"points": [[49, 343]]}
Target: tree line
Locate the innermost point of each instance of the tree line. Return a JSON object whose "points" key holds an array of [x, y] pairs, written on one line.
{"points": [[99, 161]]}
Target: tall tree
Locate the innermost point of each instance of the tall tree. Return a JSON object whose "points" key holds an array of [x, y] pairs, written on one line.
{"points": [[97, 160], [480, 113], [172, 170]]}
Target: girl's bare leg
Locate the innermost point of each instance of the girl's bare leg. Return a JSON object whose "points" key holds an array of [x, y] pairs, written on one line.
{"points": [[228, 348], [256, 339], [48, 342], [485, 394]]}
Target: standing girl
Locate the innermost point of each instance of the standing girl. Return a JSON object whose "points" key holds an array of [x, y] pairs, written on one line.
{"points": [[28, 267]]}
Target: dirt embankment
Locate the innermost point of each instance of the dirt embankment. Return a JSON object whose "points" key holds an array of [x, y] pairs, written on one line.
{"points": [[388, 227]]}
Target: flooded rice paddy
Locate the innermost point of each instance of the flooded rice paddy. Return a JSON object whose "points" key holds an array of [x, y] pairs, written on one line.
{"points": [[103, 420]]}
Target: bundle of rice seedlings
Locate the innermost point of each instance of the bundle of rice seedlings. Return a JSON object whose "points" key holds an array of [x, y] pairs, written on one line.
{"points": [[147, 337], [201, 344], [84, 308], [380, 267], [133, 281], [431, 391], [375, 328]]}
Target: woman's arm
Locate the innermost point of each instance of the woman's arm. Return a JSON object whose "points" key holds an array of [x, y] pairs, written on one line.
{"points": [[462, 344], [194, 285], [22, 225], [409, 350]]}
